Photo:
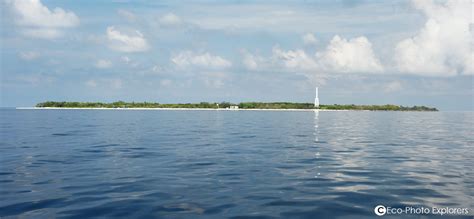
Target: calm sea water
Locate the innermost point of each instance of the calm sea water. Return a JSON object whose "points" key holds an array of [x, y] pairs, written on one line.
{"points": [[224, 164]]}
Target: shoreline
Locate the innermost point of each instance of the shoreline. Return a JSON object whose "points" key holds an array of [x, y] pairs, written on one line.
{"points": [[176, 109]]}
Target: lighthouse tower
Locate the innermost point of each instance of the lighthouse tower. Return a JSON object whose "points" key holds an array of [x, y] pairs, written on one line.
{"points": [[316, 99]]}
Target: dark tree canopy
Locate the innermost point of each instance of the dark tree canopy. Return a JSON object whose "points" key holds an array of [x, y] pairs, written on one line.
{"points": [[243, 105]]}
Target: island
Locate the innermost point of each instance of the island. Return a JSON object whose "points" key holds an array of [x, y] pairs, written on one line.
{"points": [[228, 105]]}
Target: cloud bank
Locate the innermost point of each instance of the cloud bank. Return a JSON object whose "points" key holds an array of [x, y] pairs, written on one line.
{"points": [[349, 56], [37, 20], [188, 58], [443, 47], [126, 43], [340, 56]]}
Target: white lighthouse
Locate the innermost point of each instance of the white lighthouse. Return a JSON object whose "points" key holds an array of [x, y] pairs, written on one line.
{"points": [[316, 99]]}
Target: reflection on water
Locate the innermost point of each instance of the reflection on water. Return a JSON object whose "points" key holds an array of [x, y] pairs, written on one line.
{"points": [[316, 118], [215, 164], [316, 141]]}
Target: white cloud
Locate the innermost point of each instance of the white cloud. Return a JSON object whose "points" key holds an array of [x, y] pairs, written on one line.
{"points": [[126, 43], [170, 19], [393, 87], [36, 20], [34, 13], [349, 56], [443, 47], [294, 59], [157, 69], [297, 61], [252, 61], [309, 39], [125, 59], [206, 60], [30, 55], [128, 61], [249, 61], [340, 56], [102, 63]]}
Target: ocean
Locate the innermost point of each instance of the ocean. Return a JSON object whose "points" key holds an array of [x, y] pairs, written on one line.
{"points": [[232, 164]]}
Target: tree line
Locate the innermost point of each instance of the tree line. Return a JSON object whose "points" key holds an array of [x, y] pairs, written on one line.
{"points": [[243, 105]]}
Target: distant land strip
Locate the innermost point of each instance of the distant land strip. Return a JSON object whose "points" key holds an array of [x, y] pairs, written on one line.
{"points": [[228, 105]]}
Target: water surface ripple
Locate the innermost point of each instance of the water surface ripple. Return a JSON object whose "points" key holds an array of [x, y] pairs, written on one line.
{"points": [[231, 164]]}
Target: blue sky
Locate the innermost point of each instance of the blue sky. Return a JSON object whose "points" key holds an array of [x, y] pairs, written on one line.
{"points": [[360, 52]]}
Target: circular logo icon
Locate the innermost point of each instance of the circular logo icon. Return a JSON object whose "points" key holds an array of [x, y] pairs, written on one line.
{"points": [[380, 210]]}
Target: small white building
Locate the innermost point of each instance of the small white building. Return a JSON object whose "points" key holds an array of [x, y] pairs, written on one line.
{"points": [[234, 107]]}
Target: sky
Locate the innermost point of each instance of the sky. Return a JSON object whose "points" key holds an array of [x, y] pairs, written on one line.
{"points": [[356, 51]]}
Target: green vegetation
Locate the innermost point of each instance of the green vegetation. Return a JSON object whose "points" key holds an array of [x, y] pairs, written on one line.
{"points": [[243, 105], [275, 105], [387, 107], [121, 104]]}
